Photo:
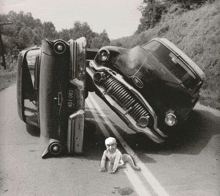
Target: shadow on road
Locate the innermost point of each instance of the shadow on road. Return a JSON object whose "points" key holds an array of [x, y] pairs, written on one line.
{"points": [[32, 130], [191, 138], [195, 133]]}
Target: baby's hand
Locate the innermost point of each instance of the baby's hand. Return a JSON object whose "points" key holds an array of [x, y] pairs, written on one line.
{"points": [[102, 169], [111, 171]]}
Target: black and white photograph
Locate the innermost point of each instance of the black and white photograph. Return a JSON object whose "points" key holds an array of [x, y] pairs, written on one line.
{"points": [[110, 98]]}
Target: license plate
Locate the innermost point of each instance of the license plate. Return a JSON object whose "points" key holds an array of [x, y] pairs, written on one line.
{"points": [[70, 99]]}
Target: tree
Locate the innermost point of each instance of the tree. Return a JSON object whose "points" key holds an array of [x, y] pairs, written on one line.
{"points": [[49, 31], [151, 11], [26, 35], [79, 29], [65, 34], [188, 4], [38, 35], [82, 30], [100, 40], [27, 31]]}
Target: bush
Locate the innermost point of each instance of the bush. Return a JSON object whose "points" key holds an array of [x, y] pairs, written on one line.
{"points": [[197, 33], [8, 76]]}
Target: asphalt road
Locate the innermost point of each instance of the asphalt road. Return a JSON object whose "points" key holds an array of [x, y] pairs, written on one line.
{"points": [[188, 164]]}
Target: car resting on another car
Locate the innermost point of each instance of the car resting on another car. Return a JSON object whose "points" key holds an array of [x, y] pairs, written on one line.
{"points": [[152, 88]]}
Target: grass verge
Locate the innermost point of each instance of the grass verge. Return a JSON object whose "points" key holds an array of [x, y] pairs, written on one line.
{"points": [[7, 78]]}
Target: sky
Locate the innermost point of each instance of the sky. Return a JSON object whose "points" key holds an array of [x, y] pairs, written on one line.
{"points": [[119, 18]]}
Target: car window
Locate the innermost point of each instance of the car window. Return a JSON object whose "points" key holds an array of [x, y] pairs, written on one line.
{"points": [[172, 63]]}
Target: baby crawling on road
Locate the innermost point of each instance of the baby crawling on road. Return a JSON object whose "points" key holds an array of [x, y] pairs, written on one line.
{"points": [[116, 158]]}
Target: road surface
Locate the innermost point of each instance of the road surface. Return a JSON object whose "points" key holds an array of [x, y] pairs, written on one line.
{"points": [[188, 164]]}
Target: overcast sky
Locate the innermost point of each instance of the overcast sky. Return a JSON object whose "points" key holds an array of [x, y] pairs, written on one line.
{"points": [[118, 17]]}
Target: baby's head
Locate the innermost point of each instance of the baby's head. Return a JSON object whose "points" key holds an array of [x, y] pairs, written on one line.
{"points": [[111, 144]]}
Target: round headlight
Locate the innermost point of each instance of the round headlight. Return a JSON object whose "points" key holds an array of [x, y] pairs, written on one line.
{"points": [[59, 47], [170, 119], [103, 55], [143, 121], [55, 148], [100, 77]]}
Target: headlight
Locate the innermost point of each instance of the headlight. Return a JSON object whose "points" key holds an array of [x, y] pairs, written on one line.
{"points": [[59, 47], [103, 55], [55, 148], [143, 121], [170, 119]]}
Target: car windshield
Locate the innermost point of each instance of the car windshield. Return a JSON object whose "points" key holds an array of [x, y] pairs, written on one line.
{"points": [[173, 64]]}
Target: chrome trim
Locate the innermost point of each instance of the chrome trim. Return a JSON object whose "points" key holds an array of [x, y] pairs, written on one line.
{"points": [[73, 60], [122, 111], [75, 132]]}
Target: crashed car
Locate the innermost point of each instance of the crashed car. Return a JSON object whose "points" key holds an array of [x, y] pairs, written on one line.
{"points": [[152, 88]]}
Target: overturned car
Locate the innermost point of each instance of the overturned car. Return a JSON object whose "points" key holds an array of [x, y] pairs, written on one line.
{"points": [[152, 88]]}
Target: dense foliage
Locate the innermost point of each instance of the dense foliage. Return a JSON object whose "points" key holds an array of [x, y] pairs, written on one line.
{"points": [[94, 40], [153, 10], [25, 31]]}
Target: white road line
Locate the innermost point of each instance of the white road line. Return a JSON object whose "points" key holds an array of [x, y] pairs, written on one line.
{"points": [[131, 175], [152, 181]]}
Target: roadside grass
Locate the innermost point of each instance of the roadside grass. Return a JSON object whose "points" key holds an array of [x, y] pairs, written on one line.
{"points": [[196, 33], [8, 76], [208, 98]]}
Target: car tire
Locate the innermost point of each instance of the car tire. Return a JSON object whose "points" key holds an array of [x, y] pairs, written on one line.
{"points": [[33, 130]]}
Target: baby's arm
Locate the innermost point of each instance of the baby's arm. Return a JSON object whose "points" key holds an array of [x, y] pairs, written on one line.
{"points": [[103, 161], [116, 162]]}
